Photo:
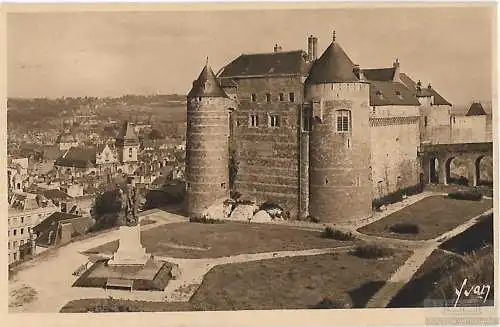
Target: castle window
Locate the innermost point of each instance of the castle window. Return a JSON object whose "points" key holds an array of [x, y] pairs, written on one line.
{"points": [[22, 231], [9, 246], [223, 185], [254, 97], [22, 220], [15, 256], [343, 120], [326, 181], [21, 243], [253, 120], [425, 121], [130, 152], [282, 97], [374, 110], [15, 232], [274, 121], [292, 97], [268, 97]]}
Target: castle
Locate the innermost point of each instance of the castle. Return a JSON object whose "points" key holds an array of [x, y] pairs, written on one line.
{"points": [[319, 136]]}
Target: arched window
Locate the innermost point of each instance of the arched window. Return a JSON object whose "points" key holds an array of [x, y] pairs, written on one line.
{"points": [[343, 119]]}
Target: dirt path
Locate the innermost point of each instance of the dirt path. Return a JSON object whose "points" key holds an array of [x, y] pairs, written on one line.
{"points": [[49, 277], [404, 273]]}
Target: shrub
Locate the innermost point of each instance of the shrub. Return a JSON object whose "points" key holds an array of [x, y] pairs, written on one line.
{"points": [[205, 220], [328, 303], [405, 228], [466, 195], [336, 234], [397, 196], [313, 219], [372, 251]]}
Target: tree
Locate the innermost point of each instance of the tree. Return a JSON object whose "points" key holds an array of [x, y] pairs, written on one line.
{"points": [[106, 209], [155, 134]]}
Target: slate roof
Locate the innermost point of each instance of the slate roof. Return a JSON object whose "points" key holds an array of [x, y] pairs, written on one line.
{"points": [[78, 157], [55, 194], [127, 133], [476, 109], [424, 91], [391, 93], [379, 74], [267, 64], [79, 224], [206, 85], [51, 152], [333, 66]]}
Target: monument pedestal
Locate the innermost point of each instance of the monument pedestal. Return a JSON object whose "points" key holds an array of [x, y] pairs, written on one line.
{"points": [[130, 251]]}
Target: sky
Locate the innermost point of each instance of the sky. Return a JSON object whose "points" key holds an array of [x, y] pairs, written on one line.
{"points": [[53, 54]]}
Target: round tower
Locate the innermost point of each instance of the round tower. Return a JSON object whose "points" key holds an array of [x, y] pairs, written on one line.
{"points": [[339, 152], [207, 173]]}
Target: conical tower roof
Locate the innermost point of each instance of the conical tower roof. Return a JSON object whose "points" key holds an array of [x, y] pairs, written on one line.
{"points": [[127, 133], [476, 109], [206, 85], [333, 66]]}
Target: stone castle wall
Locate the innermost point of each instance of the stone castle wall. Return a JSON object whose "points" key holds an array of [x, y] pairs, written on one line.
{"points": [[394, 161], [269, 156], [339, 162], [207, 177]]}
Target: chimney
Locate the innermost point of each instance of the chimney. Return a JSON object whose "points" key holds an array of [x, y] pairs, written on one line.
{"points": [[315, 48], [277, 48], [429, 86], [357, 71], [397, 72], [419, 86], [310, 48]]}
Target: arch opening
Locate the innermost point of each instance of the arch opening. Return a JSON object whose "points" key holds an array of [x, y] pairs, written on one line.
{"points": [[484, 170], [433, 171], [457, 171]]}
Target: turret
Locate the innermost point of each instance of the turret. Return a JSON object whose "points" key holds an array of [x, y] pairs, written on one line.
{"points": [[207, 173], [339, 150]]}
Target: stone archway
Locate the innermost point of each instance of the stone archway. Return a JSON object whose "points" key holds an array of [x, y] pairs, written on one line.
{"points": [[434, 170], [483, 176]]}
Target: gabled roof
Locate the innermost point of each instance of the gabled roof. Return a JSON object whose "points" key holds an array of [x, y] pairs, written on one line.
{"points": [[333, 66], [267, 64], [379, 74], [391, 93], [55, 194], [206, 85], [79, 224], [424, 91], [476, 109], [78, 157], [51, 152]]}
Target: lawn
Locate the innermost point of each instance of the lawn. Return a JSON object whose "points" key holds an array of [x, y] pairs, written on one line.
{"points": [[434, 216], [196, 240], [284, 283], [295, 282]]}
